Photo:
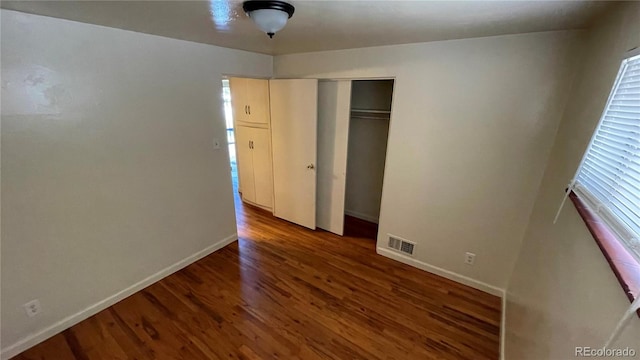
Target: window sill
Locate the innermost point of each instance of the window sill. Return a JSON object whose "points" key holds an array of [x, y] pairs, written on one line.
{"points": [[624, 265]]}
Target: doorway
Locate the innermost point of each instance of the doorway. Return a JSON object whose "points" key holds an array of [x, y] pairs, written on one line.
{"points": [[366, 154], [353, 129]]}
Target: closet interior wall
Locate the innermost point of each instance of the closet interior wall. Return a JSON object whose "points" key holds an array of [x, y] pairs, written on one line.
{"points": [[367, 147]]}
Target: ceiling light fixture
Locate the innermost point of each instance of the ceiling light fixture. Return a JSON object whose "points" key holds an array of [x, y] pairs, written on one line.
{"points": [[269, 16]]}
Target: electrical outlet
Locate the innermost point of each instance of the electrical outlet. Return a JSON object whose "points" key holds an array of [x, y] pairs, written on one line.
{"points": [[469, 258], [32, 308], [216, 144]]}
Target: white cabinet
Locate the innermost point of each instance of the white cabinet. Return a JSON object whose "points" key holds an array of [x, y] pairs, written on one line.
{"points": [[258, 95], [254, 165], [239, 99], [250, 100], [245, 162]]}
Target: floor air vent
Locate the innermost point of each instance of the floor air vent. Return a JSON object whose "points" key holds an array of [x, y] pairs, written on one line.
{"points": [[401, 245]]}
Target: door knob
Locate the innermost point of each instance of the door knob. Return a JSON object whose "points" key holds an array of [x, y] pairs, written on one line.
{"points": [[311, 167]]}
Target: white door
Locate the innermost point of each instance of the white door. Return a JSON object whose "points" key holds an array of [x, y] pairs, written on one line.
{"points": [[245, 162], [294, 118], [334, 106], [262, 169]]}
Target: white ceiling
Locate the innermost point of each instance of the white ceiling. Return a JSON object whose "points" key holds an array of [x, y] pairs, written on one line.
{"points": [[325, 24]]}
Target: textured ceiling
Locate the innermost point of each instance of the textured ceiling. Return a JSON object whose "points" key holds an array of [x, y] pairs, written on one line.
{"points": [[325, 25]]}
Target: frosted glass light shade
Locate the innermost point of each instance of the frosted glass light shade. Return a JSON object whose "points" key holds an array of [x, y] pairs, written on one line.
{"points": [[269, 20]]}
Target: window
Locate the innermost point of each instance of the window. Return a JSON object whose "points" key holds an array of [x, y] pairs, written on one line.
{"points": [[228, 115], [608, 179]]}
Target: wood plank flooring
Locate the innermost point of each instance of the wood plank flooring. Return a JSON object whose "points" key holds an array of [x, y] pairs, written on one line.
{"points": [[358, 228], [285, 292]]}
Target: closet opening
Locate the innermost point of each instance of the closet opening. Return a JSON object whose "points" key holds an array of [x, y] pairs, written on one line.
{"points": [[369, 118], [353, 128]]}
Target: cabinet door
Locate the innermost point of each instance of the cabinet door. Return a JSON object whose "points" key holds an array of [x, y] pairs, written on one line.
{"points": [[239, 99], [258, 100], [262, 170], [245, 162]]}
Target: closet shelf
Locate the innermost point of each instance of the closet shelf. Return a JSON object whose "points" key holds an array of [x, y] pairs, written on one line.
{"points": [[370, 111]]}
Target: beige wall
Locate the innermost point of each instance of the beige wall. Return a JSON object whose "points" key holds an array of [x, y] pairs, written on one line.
{"points": [[563, 293], [109, 173], [471, 129]]}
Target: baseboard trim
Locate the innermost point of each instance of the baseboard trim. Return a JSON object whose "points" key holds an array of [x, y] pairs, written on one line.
{"points": [[476, 284], [42, 335], [503, 325], [258, 205], [362, 216]]}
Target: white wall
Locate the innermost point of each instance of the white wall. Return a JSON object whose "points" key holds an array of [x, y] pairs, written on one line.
{"points": [[563, 293], [109, 174], [471, 129]]}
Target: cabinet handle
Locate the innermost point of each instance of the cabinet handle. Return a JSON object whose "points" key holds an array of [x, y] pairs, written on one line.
{"points": [[245, 110], [249, 109]]}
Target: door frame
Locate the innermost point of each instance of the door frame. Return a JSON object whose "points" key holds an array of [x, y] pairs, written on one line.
{"points": [[337, 78]]}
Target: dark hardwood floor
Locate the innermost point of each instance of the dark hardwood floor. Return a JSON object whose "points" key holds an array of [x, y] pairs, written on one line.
{"points": [[285, 292], [358, 228]]}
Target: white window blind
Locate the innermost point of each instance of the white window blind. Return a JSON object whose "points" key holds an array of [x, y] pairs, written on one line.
{"points": [[608, 179]]}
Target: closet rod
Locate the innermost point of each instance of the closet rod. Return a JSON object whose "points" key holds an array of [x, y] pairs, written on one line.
{"points": [[371, 111]]}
